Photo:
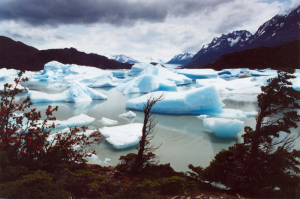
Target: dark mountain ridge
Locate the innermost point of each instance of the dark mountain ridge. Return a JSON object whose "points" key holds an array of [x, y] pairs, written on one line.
{"points": [[282, 28], [282, 56], [17, 55]]}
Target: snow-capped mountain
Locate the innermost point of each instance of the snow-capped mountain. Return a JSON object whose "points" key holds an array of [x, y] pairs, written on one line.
{"points": [[181, 58], [282, 28], [151, 59], [121, 58], [227, 43]]}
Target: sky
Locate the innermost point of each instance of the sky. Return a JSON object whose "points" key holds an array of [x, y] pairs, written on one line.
{"points": [[136, 28]]}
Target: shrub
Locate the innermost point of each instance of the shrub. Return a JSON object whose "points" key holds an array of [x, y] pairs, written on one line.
{"points": [[173, 185]]}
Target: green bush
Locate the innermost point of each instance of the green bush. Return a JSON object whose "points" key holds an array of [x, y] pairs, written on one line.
{"points": [[173, 185], [36, 185]]}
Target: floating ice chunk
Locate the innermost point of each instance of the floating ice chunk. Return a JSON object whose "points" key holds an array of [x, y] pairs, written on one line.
{"points": [[103, 81], [93, 159], [129, 114], [225, 76], [146, 84], [234, 114], [164, 73], [196, 101], [202, 117], [106, 161], [234, 72], [119, 74], [80, 120], [224, 128], [123, 136], [10, 80], [107, 121], [72, 72], [76, 93], [87, 132], [266, 72], [198, 73], [245, 85], [43, 78], [137, 68]]}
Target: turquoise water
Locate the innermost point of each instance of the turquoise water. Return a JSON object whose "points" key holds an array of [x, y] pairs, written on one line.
{"points": [[184, 139]]}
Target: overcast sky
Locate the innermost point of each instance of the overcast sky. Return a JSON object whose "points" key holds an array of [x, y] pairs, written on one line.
{"points": [[137, 28]]}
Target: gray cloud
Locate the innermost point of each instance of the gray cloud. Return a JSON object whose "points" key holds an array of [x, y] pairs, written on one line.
{"points": [[59, 37], [234, 20], [15, 35], [115, 12]]}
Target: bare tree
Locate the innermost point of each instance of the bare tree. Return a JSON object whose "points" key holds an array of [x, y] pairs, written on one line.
{"points": [[145, 156]]}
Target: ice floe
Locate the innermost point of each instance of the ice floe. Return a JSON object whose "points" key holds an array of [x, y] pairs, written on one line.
{"points": [[137, 68], [196, 101], [244, 85], [129, 114], [224, 128], [106, 121], [145, 84], [80, 120], [123, 136], [198, 73], [164, 73], [119, 74], [76, 93]]}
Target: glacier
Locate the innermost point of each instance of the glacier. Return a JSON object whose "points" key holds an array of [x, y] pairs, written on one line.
{"points": [[124, 136]]}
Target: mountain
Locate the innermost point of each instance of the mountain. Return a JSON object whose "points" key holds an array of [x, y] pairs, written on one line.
{"points": [[282, 28], [154, 60], [121, 58], [282, 56], [227, 43], [18, 55], [181, 58]]}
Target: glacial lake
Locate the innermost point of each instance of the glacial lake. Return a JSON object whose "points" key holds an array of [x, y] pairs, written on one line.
{"points": [[184, 139]]}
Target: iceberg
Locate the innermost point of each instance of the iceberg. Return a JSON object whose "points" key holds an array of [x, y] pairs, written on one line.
{"points": [[43, 78], [119, 74], [124, 136], [244, 85], [103, 81], [106, 121], [164, 73], [76, 93], [196, 101], [137, 68], [129, 114], [224, 128], [198, 73], [145, 84], [71, 72], [80, 120], [234, 114], [234, 72]]}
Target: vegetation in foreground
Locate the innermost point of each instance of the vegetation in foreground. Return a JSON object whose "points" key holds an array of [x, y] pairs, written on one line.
{"points": [[33, 166]]}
